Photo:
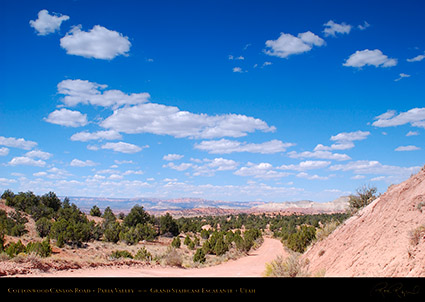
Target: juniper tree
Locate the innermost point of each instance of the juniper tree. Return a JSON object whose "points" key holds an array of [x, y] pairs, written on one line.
{"points": [[95, 211]]}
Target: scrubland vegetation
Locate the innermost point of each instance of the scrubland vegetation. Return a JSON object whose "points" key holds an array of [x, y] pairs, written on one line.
{"points": [[194, 241], [64, 225]]}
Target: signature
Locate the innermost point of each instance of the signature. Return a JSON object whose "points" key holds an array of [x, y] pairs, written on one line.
{"points": [[396, 289]]}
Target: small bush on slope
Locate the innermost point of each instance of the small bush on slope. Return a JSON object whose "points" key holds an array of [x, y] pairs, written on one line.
{"points": [[326, 230], [289, 267], [416, 235], [365, 195]]}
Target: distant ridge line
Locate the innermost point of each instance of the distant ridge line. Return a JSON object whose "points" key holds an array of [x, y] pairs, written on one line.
{"points": [[192, 206]]}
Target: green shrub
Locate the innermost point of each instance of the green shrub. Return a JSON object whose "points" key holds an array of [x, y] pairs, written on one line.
{"points": [[60, 242], [176, 243], [43, 226], [299, 241], [146, 231], [72, 225], [167, 224], [191, 245], [199, 256], [143, 254], [13, 249], [50, 200], [207, 248], [229, 238], [196, 241], [128, 235], [95, 211], [18, 224], [96, 231], [220, 247], [1, 241], [136, 216], [8, 195], [108, 217], [205, 234], [132, 235], [187, 240], [245, 243], [42, 249], [18, 230], [111, 232], [117, 254]]}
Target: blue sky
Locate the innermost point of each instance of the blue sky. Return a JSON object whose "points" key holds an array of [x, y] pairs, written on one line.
{"points": [[231, 100]]}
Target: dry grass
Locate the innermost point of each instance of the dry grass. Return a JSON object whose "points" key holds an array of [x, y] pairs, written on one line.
{"points": [[416, 235], [173, 257], [289, 267], [326, 230]]}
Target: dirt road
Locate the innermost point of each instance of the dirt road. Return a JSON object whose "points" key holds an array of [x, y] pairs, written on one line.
{"points": [[252, 265]]}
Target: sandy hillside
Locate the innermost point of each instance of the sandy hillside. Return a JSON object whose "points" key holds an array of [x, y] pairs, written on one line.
{"points": [[378, 240]]}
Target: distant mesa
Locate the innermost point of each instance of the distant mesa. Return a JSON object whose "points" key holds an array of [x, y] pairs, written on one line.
{"points": [[198, 206]]}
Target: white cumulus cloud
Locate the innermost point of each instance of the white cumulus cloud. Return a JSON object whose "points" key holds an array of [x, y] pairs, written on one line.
{"points": [[206, 167], [418, 58], [350, 136], [237, 69], [123, 147], [306, 165], [337, 146], [261, 170], [344, 140], [332, 28], [288, 44], [401, 76], [363, 26], [407, 148], [172, 157], [4, 151], [369, 57], [85, 92], [98, 43], [320, 155], [67, 118], [375, 167], [39, 154], [169, 120], [412, 133], [46, 23], [225, 146], [17, 143], [415, 116], [180, 167], [311, 177], [26, 161], [99, 135], [80, 163]]}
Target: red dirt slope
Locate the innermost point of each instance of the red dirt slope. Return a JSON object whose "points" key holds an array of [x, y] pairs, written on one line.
{"points": [[377, 240]]}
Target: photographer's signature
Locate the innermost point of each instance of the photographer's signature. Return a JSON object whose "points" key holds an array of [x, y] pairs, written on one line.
{"points": [[397, 289]]}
